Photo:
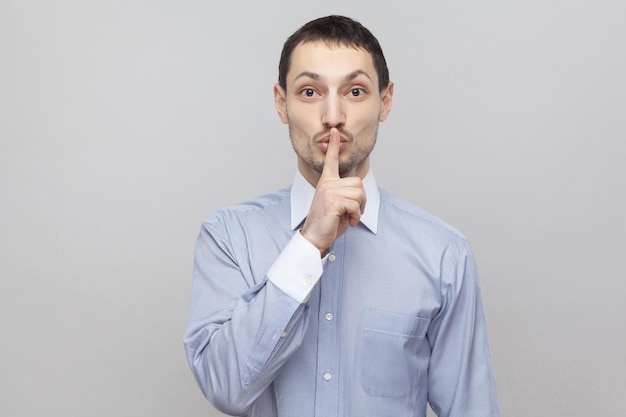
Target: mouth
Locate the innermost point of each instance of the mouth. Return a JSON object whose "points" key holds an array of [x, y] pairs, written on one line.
{"points": [[323, 144], [325, 140]]}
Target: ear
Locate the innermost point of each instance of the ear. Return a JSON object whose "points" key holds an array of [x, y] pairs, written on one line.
{"points": [[386, 98], [280, 103]]}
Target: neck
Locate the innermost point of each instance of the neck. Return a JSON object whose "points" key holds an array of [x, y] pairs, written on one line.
{"points": [[313, 176]]}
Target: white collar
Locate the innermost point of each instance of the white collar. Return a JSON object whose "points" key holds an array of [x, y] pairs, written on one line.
{"points": [[302, 195]]}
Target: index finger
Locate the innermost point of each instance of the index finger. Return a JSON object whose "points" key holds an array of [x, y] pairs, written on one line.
{"points": [[331, 162]]}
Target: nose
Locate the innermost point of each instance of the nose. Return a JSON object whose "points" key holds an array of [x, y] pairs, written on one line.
{"points": [[333, 113]]}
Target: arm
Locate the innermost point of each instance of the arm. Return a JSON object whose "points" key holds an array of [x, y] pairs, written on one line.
{"points": [[461, 380], [239, 333]]}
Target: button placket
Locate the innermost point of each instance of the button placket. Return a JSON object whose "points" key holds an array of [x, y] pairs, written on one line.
{"points": [[329, 373]]}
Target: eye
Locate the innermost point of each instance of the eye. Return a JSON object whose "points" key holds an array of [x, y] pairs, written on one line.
{"points": [[308, 92], [356, 92]]}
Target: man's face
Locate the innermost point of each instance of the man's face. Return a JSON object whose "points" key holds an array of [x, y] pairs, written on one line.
{"points": [[329, 87]]}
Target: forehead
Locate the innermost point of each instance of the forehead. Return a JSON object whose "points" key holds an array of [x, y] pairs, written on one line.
{"points": [[330, 60]]}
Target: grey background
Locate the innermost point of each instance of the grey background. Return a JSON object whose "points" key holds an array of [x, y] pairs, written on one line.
{"points": [[124, 123]]}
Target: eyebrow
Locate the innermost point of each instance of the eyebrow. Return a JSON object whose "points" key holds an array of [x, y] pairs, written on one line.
{"points": [[318, 77]]}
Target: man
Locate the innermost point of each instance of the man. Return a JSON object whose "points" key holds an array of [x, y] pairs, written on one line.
{"points": [[333, 297]]}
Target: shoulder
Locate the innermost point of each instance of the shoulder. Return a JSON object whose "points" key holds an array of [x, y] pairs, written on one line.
{"points": [[260, 205], [416, 220], [431, 242], [260, 209]]}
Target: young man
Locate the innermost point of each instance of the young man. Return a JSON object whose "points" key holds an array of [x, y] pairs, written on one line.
{"points": [[333, 297]]}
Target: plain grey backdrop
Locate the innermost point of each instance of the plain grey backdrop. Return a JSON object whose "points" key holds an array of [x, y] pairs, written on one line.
{"points": [[124, 123]]}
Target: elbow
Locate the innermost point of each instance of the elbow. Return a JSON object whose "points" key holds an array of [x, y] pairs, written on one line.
{"points": [[228, 397], [223, 389], [226, 404]]}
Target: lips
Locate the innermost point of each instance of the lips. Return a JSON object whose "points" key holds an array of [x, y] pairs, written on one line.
{"points": [[322, 141], [326, 138], [323, 144]]}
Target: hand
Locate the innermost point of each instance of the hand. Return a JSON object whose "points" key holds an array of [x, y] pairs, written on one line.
{"points": [[338, 202]]}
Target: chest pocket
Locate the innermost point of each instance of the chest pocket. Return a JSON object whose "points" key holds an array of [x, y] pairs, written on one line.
{"points": [[392, 353]]}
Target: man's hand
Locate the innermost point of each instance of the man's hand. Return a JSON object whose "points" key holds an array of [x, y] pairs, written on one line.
{"points": [[338, 202]]}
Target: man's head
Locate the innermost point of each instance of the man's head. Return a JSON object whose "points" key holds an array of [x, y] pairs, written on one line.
{"points": [[330, 78], [335, 31]]}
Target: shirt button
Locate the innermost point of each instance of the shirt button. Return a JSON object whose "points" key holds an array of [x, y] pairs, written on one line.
{"points": [[329, 316], [308, 280], [328, 376], [284, 334], [332, 257]]}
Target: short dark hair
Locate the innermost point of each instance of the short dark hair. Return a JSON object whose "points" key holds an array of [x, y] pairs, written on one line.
{"points": [[335, 30]]}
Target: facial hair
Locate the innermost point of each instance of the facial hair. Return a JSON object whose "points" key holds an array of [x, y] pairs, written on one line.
{"points": [[357, 153]]}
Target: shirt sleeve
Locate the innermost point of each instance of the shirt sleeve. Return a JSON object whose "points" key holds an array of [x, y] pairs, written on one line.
{"points": [[461, 378], [239, 333]]}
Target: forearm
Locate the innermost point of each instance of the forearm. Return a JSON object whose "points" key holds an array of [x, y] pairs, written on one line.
{"points": [[234, 359]]}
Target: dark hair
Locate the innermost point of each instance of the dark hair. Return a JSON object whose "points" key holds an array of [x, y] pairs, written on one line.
{"points": [[335, 30]]}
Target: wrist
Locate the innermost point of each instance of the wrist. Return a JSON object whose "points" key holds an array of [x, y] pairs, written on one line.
{"points": [[323, 250]]}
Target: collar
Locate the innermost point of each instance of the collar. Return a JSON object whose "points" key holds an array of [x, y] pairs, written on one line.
{"points": [[302, 195]]}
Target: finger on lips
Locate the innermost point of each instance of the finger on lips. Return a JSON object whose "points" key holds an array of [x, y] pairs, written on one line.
{"points": [[331, 163]]}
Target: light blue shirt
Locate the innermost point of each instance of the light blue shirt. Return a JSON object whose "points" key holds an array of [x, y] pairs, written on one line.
{"points": [[391, 319]]}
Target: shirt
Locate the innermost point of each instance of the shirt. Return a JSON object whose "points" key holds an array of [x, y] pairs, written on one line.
{"points": [[391, 319]]}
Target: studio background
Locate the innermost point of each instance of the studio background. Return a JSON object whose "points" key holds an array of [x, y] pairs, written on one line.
{"points": [[124, 123]]}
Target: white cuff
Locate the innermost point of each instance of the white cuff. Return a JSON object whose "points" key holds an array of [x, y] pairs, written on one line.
{"points": [[297, 269]]}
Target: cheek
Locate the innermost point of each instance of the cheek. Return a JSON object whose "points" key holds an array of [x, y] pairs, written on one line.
{"points": [[366, 120], [303, 121], [301, 112]]}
